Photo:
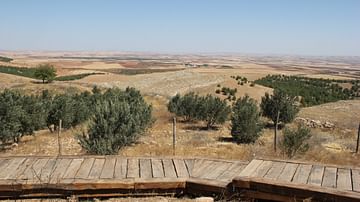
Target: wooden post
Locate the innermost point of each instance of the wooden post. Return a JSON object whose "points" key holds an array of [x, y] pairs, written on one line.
{"points": [[59, 142], [358, 139], [174, 134], [276, 130]]}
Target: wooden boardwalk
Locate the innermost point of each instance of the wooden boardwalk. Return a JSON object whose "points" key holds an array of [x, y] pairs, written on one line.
{"points": [[119, 176], [301, 179]]}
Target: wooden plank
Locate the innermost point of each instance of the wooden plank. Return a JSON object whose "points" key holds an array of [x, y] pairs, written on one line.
{"points": [[11, 167], [157, 168], [169, 168], [288, 172], [250, 168], [133, 168], [145, 169], [32, 172], [19, 171], [316, 175], [302, 174], [233, 171], [356, 180], [180, 167], [85, 168], [202, 167], [218, 169], [262, 169], [73, 168], [4, 163], [96, 169], [120, 168], [108, 169], [60, 169], [47, 170], [275, 170], [190, 165], [344, 179], [329, 177]]}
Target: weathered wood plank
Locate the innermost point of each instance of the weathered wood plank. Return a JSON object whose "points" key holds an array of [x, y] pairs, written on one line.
{"points": [[262, 169], [73, 168], [133, 170], [344, 179], [169, 168], [19, 171], [302, 174], [288, 172], [275, 170], [108, 169], [47, 170], [97, 168], [120, 168], [218, 169], [11, 167], [33, 171], [250, 168], [316, 175], [145, 169], [189, 165], [233, 171], [180, 167], [329, 177], [157, 168], [60, 169], [356, 180], [201, 167], [85, 168]]}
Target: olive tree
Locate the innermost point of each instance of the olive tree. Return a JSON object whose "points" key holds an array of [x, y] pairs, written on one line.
{"points": [[245, 120], [280, 108], [45, 72]]}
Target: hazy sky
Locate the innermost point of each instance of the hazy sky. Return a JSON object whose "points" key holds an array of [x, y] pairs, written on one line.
{"points": [[311, 27]]}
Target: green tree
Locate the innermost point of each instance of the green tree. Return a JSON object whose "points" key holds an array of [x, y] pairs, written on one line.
{"points": [[45, 72], [186, 106], [280, 108], [11, 114], [294, 141], [117, 122], [212, 110], [245, 123]]}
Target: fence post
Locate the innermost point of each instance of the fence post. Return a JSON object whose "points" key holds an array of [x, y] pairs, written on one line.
{"points": [[358, 139], [174, 134], [276, 130], [59, 140]]}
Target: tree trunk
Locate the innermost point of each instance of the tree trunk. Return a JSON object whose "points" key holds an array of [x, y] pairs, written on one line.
{"points": [[276, 130], [358, 139]]}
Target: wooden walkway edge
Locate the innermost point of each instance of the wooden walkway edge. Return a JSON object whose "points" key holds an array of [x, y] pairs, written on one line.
{"points": [[107, 176]]}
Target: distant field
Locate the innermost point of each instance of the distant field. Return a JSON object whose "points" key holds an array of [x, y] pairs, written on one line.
{"points": [[29, 73], [134, 71]]}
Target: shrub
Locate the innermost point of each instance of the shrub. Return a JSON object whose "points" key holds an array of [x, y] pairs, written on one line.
{"points": [[245, 123], [45, 72], [279, 102], [217, 91], [117, 122], [185, 106], [252, 84], [212, 110], [294, 141]]}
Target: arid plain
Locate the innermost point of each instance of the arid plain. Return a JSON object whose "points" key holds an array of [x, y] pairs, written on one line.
{"points": [[160, 76]]}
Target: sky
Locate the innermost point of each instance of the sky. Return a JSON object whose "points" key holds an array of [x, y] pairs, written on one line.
{"points": [[293, 27]]}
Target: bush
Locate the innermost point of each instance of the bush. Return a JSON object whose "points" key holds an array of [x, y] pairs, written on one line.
{"points": [[217, 91], [212, 110], [252, 84], [185, 106], [117, 122], [45, 72], [294, 141], [279, 102], [245, 123]]}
